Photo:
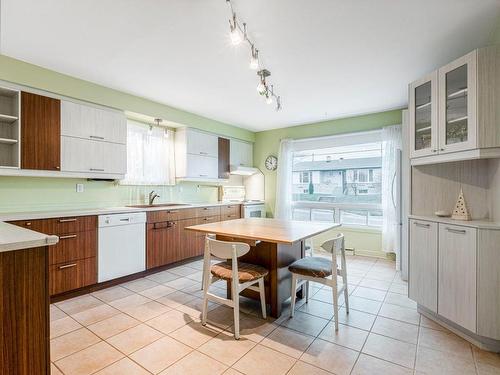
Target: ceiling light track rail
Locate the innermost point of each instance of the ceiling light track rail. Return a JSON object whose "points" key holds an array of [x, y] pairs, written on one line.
{"points": [[238, 34]]}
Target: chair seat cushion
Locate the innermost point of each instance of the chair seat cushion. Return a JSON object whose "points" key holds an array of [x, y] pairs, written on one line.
{"points": [[312, 266], [246, 271]]}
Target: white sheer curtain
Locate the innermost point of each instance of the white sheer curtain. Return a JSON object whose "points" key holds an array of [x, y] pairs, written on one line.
{"points": [[283, 209], [150, 155], [391, 143]]}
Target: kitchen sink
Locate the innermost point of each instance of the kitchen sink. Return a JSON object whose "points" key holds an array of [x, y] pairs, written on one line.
{"points": [[158, 205]]}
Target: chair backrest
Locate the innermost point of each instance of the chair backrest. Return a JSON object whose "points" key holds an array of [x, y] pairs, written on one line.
{"points": [[334, 245], [226, 250]]}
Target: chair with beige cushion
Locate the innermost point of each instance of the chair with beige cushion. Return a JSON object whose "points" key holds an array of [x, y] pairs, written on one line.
{"points": [[240, 275], [323, 271]]}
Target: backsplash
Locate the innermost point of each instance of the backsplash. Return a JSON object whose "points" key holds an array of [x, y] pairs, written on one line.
{"points": [[18, 194]]}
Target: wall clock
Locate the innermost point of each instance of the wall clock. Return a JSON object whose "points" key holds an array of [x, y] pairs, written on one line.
{"points": [[271, 163]]}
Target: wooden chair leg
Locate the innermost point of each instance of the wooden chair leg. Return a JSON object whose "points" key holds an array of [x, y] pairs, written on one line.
{"points": [[262, 297], [236, 309], [307, 291], [206, 286], [335, 303], [294, 294]]}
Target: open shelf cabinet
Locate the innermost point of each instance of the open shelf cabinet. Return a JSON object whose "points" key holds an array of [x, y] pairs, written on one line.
{"points": [[10, 128]]}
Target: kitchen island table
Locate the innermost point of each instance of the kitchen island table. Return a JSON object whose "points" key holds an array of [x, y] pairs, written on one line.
{"points": [[274, 244]]}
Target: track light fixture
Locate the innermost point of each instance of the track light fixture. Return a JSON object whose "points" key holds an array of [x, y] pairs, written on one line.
{"points": [[238, 34]]}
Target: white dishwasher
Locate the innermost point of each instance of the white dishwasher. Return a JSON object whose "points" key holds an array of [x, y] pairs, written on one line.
{"points": [[122, 245]]}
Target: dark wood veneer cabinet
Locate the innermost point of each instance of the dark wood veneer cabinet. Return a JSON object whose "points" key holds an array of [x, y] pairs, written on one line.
{"points": [[40, 132], [162, 243], [223, 159]]}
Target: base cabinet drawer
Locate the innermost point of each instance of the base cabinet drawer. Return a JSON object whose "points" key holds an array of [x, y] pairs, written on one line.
{"points": [[423, 282], [457, 274], [59, 226], [72, 275], [74, 246]]}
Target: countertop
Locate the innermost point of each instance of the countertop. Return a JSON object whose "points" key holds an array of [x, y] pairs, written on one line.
{"points": [[32, 215], [480, 224], [268, 230], [13, 237]]}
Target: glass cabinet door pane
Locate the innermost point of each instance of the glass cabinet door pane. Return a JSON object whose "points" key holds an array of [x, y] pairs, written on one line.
{"points": [[456, 105], [423, 111]]}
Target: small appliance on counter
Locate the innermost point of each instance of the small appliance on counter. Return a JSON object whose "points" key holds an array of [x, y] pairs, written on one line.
{"points": [[249, 207]]}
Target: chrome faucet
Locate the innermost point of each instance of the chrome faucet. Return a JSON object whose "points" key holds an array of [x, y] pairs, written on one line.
{"points": [[152, 197]]}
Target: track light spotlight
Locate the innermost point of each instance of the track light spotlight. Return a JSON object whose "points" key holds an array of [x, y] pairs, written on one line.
{"points": [[254, 60], [235, 33]]}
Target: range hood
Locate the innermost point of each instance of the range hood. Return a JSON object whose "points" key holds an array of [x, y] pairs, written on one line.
{"points": [[243, 171]]}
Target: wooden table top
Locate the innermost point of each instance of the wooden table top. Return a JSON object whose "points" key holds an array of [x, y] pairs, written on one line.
{"points": [[268, 230]]}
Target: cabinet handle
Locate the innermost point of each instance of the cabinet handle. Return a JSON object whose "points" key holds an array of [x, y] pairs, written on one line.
{"points": [[97, 169], [172, 212], [96, 137], [422, 225], [67, 237], [434, 150], [203, 153], [67, 220], [67, 266], [203, 175], [28, 223], [441, 149], [456, 231], [126, 219], [231, 215], [57, 167]]}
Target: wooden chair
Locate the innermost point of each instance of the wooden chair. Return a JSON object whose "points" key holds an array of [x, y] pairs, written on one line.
{"points": [[241, 276], [323, 271]]}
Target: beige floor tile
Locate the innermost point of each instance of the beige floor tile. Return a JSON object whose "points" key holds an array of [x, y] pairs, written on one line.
{"points": [[175, 299], [54, 370], [485, 369], [134, 338], [222, 317], [350, 337], [356, 319], [434, 362], [289, 342], [140, 284], [112, 294], [195, 363], [62, 326], [428, 323], [182, 270], [197, 276], [330, 357], [194, 307], [181, 283], [95, 314], [487, 358], [367, 365], [445, 341], [398, 288], [324, 295], [224, 348], [396, 329], [231, 371], [56, 313], [400, 313], [305, 323], [317, 308], [77, 304], [160, 354], [123, 367], [146, 311], [195, 334], [112, 326], [157, 291], [390, 350], [400, 300], [130, 301], [89, 360], [373, 294], [387, 275], [197, 292], [72, 342], [262, 360], [302, 368], [170, 321], [254, 328], [365, 305], [162, 277], [375, 284]]}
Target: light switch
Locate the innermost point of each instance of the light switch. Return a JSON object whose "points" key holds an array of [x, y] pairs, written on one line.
{"points": [[79, 188]]}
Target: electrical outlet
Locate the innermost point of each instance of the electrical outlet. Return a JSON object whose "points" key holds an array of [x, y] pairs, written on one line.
{"points": [[79, 188]]}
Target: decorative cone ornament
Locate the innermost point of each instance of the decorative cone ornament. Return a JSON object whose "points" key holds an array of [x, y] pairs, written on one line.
{"points": [[461, 212]]}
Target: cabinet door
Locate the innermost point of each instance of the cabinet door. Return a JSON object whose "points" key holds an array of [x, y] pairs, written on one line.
{"points": [[83, 121], [162, 244], [40, 132], [198, 166], [82, 155], [223, 158], [200, 143], [241, 153], [423, 110], [423, 276], [457, 275], [457, 104]]}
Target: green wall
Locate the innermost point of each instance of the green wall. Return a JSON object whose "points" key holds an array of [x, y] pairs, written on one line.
{"points": [[267, 142]]}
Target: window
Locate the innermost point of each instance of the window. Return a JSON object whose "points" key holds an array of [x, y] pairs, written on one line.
{"points": [[341, 183], [150, 155]]}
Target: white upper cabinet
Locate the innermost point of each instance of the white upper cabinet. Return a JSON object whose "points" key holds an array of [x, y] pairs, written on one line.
{"points": [[454, 112], [240, 154], [201, 143], [83, 121]]}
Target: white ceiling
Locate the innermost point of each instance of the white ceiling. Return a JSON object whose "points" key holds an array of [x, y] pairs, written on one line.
{"points": [[328, 58]]}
